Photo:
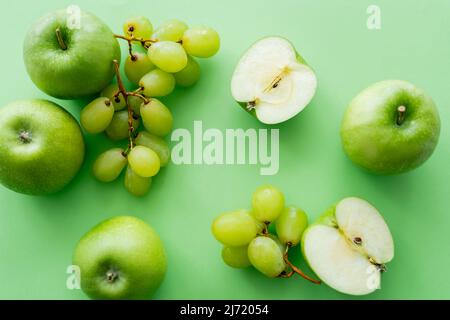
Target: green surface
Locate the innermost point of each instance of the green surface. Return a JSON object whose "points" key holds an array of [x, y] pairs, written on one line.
{"points": [[38, 234]]}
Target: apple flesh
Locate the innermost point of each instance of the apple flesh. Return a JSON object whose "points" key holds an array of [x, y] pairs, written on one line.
{"points": [[68, 62], [272, 81], [41, 147], [120, 258], [348, 247], [391, 127]]}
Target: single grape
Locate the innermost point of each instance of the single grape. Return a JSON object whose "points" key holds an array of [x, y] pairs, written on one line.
{"points": [[137, 66], [171, 30], [260, 226], [144, 161], [189, 75], [267, 203], [156, 144], [156, 117], [236, 257], [110, 92], [169, 56], [135, 104], [97, 115], [290, 225], [157, 83], [235, 228], [266, 256], [202, 42], [136, 184], [108, 165], [138, 27], [280, 245], [118, 128]]}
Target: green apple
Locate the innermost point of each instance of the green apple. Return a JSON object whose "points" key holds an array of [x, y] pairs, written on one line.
{"points": [[41, 147], [120, 258], [68, 60], [272, 81], [348, 247], [391, 127]]}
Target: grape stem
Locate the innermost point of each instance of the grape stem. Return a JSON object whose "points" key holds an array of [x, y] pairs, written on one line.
{"points": [[294, 269], [146, 43], [125, 95]]}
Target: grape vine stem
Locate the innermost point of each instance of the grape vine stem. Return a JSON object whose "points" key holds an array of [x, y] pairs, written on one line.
{"points": [[125, 94], [146, 43], [294, 269]]}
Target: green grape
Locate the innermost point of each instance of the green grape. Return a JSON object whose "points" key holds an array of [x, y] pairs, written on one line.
{"points": [[169, 56], [135, 184], [110, 92], [156, 144], [189, 75], [144, 161], [202, 42], [137, 66], [171, 30], [156, 117], [135, 104], [266, 256], [157, 83], [118, 128], [138, 27], [260, 226], [108, 165], [97, 115], [290, 225], [235, 228], [267, 203], [280, 245], [236, 257]]}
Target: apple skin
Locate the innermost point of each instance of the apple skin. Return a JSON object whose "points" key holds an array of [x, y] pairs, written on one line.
{"points": [[84, 69], [371, 136], [127, 246], [52, 156]]}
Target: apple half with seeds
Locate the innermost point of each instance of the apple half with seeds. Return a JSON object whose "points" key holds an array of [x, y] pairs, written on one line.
{"points": [[348, 247], [272, 81]]}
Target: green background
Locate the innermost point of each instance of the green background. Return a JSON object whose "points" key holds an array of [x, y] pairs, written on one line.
{"points": [[38, 234]]}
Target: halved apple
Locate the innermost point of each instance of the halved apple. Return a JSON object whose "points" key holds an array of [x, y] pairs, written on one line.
{"points": [[348, 247], [272, 81]]}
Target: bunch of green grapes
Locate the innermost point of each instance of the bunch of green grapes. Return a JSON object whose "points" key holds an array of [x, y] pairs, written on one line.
{"points": [[247, 240], [166, 59], [169, 60]]}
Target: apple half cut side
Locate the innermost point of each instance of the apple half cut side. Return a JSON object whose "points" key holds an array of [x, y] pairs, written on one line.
{"points": [[348, 247], [272, 81]]}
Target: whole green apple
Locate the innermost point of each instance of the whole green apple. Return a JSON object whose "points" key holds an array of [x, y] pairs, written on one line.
{"points": [[391, 127], [120, 258], [41, 147], [69, 58]]}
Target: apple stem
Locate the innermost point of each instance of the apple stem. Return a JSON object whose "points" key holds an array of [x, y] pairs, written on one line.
{"points": [[251, 105], [401, 113], [295, 269], [61, 42]]}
